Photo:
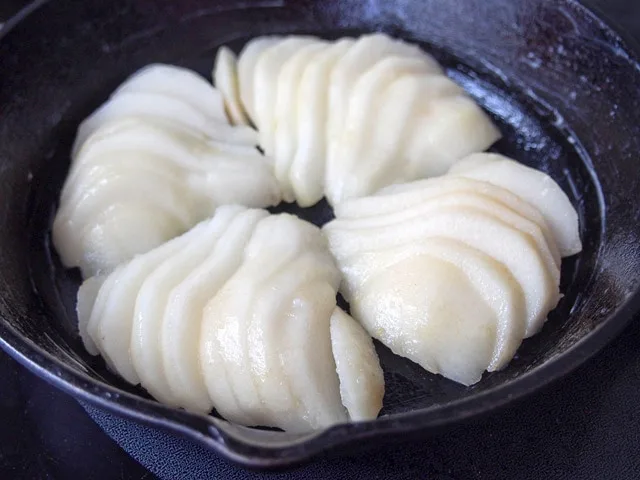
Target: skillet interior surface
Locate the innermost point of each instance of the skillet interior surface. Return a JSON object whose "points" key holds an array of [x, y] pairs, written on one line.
{"points": [[560, 84]]}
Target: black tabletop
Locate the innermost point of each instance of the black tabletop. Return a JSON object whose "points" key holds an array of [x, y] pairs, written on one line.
{"points": [[586, 426]]}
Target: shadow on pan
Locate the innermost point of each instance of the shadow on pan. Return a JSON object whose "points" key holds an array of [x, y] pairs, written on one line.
{"points": [[561, 85]]}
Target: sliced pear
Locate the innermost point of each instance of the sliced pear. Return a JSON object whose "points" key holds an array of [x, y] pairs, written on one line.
{"points": [[307, 170], [450, 129], [177, 82], [247, 61], [162, 108], [181, 325], [535, 187], [270, 307], [265, 84], [285, 121], [513, 248], [113, 312], [473, 200], [225, 79], [223, 344], [151, 304], [87, 294], [308, 359], [358, 367], [362, 117], [384, 152], [427, 310], [491, 279], [365, 52]]}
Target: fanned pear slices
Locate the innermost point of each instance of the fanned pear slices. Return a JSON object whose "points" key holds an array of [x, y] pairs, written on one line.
{"points": [[237, 314], [169, 94], [225, 79], [533, 186], [452, 272], [345, 118], [136, 184]]}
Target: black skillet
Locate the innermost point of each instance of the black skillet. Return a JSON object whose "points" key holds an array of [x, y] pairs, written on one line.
{"points": [[564, 88]]}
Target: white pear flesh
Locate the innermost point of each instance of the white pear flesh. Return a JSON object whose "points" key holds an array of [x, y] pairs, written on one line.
{"points": [[533, 186], [515, 249], [426, 310], [181, 325], [225, 79], [358, 367]]}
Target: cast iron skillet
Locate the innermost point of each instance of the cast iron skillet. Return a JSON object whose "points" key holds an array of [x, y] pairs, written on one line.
{"points": [[562, 86]]}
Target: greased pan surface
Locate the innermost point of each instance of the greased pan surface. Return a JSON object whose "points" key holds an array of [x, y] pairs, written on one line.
{"points": [[561, 85]]}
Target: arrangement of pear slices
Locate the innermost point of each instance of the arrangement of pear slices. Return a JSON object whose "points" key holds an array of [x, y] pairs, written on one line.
{"points": [[448, 256], [238, 314], [454, 272], [158, 157], [343, 119]]}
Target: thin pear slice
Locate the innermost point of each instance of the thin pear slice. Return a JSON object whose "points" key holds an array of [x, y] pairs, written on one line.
{"points": [[362, 117], [493, 282], [535, 187], [307, 170], [358, 367], [86, 299], [180, 83], [181, 325], [223, 344], [247, 61], [307, 357], [115, 306], [162, 108], [285, 120], [466, 199], [513, 248], [172, 140], [225, 79], [452, 128], [266, 85], [363, 54], [385, 147], [151, 304], [427, 310], [270, 307], [404, 196]]}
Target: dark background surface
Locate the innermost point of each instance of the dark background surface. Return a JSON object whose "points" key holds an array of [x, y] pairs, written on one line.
{"points": [[584, 427]]}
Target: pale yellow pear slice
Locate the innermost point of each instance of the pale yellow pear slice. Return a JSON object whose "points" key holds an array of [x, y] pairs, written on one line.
{"points": [[427, 310], [181, 325], [358, 367], [448, 130], [285, 121], [463, 199], [307, 170], [308, 359], [225, 79], [266, 85], [151, 304], [491, 279], [162, 108], [363, 54], [247, 61], [177, 82], [515, 249], [383, 159], [533, 186], [86, 299], [363, 116]]}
